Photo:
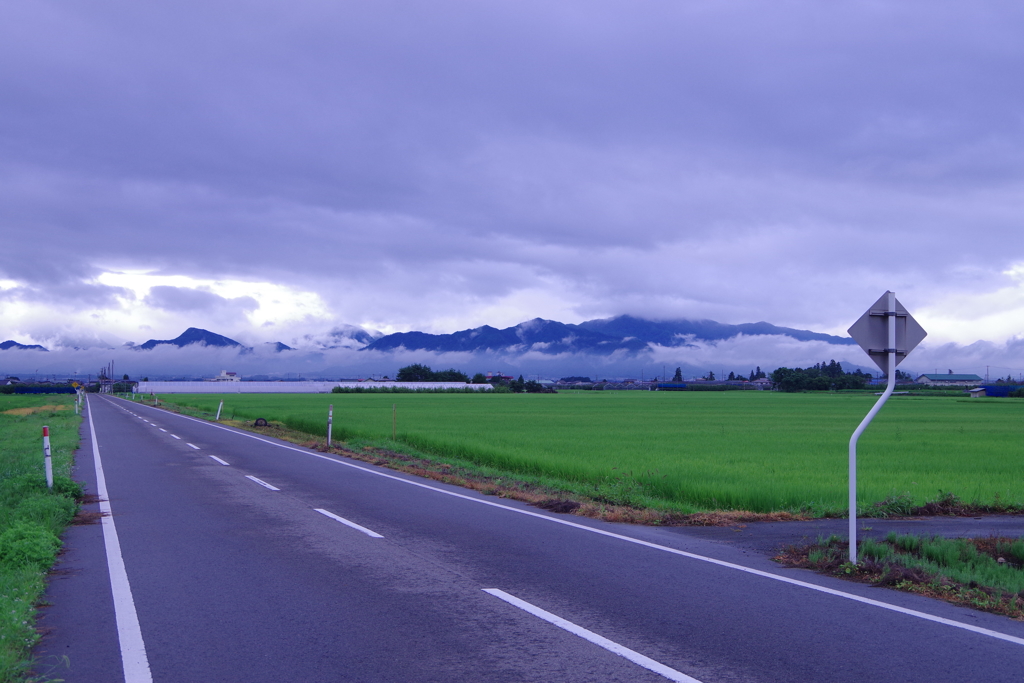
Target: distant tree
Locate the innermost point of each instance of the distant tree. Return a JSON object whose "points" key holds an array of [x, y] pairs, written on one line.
{"points": [[678, 377], [422, 373], [518, 385], [533, 387], [575, 378], [710, 376], [145, 379], [125, 377], [415, 373], [820, 377], [732, 376], [450, 375], [479, 378]]}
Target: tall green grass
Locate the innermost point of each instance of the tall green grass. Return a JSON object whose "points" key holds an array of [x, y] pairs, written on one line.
{"points": [[759, 451], [32, 517]]}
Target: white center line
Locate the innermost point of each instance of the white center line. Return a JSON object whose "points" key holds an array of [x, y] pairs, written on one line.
{"points": [[134, 661], [371, 534], [174, 435], [600, 641], [162, 429], [219, 460], [192, 445], [262, 483]]}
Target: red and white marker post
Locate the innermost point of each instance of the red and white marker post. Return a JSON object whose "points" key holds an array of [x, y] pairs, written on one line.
{"points": [[46, 457]]}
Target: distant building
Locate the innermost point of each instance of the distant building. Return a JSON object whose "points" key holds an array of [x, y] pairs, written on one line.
{"points": [[226, 376], [950, 379]]}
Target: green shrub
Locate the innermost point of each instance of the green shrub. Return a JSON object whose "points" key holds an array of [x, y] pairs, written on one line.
{"points": [[28, 545], [68, 487], [49, 511]]}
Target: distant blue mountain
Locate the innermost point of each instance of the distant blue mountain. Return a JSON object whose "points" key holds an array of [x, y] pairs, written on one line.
{"points": [[671, 332], [545, 336], [600, 337], [11, 344], [193, 335], [624, 333]]}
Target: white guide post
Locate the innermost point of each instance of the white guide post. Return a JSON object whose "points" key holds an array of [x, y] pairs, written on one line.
{"points": [[890, 349], [330, 422], [219, 408], [46, 457]]}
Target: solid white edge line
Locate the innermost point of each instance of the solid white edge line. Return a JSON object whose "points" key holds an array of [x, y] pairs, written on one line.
{"points": [[629, 539], [219, 460], [371, 534], [192, 445], [600, 641], [134, 661], [262, 483]]}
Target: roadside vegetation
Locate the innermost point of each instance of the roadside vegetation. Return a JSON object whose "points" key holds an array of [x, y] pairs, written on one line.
{"points": [[981, 573], [32, 517], [683, 453]]}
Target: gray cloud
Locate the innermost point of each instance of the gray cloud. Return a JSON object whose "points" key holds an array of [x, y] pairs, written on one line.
{"points": [[185, 299], [440, 166]]}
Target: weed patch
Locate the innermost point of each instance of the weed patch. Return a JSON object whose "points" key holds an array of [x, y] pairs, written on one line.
{"points": [[984, 573]]}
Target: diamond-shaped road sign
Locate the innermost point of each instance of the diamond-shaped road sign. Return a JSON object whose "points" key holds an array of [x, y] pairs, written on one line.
{"points": [[871, 331]]}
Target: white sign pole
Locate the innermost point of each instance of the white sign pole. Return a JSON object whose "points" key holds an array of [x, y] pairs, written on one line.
{"points": [[47, 463], [891, 350], [330, 423]]}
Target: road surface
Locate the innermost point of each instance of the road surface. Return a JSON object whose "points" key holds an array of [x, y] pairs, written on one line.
{"points": [[236, 557]]}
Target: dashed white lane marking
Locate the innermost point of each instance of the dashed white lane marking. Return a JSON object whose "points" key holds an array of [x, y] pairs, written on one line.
{"points": [[134, 661], [371, 534], [162, 429], [175, 436], [600, 641], [647, 544], [192, 445], [262, 483], [219, 460]]}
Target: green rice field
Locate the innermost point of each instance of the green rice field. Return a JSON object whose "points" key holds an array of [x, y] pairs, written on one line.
{"points": [[759, 451]]}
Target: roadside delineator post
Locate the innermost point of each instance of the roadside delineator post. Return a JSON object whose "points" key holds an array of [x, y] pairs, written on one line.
{"points": [[219, 408], [330, 421], [888, 333], [46, 457]]}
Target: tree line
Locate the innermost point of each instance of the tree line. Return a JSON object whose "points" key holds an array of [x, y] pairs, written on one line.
{"points": [[423, 373], [820, 377]]}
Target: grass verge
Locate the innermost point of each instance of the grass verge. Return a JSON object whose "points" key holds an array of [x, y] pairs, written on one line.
{"points": [[982, 573], [32, 517]]}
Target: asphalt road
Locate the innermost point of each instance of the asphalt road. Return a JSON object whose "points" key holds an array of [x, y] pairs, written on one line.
{"points": [[235, 575]]}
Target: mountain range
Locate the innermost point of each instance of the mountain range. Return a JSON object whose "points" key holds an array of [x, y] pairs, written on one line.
{"points": [[605, 336], [11, 344], [624, 333]]}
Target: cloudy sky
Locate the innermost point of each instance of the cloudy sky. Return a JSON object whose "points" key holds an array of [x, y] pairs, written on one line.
{"points": [[274, 170]]}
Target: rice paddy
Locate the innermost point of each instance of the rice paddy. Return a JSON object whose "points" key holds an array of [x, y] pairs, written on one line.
{"points": [[758, 451]]}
